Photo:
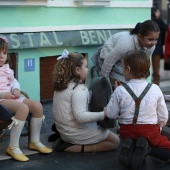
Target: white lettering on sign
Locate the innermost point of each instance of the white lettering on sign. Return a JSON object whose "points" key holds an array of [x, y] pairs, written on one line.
{"points": [[60, 38]]}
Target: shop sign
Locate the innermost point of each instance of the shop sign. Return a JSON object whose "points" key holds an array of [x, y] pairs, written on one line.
{"points": [[58, 38]]}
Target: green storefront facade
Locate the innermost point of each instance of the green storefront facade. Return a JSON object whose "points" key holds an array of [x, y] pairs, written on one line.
{"points": [[38, 31]]}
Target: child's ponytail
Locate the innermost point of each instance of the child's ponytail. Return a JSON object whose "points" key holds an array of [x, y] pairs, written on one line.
{"points": [[136, 29]]}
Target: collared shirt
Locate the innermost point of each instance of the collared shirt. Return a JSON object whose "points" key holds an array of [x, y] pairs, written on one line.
{"points": [[152, 110], [114, 50]]}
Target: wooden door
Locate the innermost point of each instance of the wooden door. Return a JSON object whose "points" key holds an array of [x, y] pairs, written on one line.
{"points": [[46, 69], [13, 62]]}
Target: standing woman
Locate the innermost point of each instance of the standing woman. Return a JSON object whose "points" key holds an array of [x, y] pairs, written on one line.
{"points": [[158, 52], [143, 37]]}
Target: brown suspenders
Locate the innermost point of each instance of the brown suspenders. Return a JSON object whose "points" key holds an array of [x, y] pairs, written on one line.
{"points": [[136, 99]]}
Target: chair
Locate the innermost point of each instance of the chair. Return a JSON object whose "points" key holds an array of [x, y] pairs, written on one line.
{"points": [[5, 120]]}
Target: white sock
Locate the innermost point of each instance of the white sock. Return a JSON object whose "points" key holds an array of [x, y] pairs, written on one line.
{"points": [[35, 126], [15, 135], [39, 144], [17, 151]]}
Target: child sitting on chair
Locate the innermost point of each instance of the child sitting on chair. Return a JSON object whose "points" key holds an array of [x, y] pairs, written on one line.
{"points": [[141, 111], [20, 106]]}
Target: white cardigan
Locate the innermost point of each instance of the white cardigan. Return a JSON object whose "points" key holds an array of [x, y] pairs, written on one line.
{"points": [[73, 120]]}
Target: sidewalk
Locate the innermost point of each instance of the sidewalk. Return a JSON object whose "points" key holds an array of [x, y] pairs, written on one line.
{"points": [[75, 161], [165, 82]]}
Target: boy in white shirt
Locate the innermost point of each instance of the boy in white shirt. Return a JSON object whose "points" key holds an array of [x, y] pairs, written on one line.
{"points": [[140, 109]]}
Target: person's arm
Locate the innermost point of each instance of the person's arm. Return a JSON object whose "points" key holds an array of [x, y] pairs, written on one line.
{"points": [[121, 47], [6, 95], [2, 95], [150, 51], [113, 107], [15, 85], [15, 89], [80, 107]]}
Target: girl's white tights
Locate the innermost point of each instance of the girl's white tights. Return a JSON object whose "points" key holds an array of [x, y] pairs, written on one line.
{"points": [[15, 135], [35, 126], [16, 130]]}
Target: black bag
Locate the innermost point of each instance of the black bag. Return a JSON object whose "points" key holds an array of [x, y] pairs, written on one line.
{"points": [[101, 91]]}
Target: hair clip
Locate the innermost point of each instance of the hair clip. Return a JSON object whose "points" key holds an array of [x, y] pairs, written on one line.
{"points": [[64, 55], [5, 39]]}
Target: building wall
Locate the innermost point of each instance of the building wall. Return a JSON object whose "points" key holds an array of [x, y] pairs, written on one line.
{"points": [[57, 16], [31, 18]]}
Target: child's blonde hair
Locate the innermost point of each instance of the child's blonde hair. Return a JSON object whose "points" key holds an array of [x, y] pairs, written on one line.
{"points": [[64, 71], [139, 63]]}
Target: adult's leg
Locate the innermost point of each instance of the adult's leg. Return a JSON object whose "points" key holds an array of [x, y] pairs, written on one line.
{"points": [[160, 153], [156, 67]]}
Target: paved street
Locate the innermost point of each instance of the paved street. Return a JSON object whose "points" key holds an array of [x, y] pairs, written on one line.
{"points": [[75, 161]]}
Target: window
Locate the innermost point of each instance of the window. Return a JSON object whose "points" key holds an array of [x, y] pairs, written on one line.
{"points": [[23, 2], [77, 3], [92, 2], [99, 3]]}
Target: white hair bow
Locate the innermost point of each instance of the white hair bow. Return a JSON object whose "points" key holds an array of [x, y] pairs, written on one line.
{"points": [[64, 55]]}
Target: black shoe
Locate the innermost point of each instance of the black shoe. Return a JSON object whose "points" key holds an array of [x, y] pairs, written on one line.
{"points": [[53, 137], [142, 148], [126, 152], [53, 128], [60, 145]]}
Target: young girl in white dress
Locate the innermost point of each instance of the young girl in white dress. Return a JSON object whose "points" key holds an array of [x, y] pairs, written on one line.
{"points": [[77, 126]]}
